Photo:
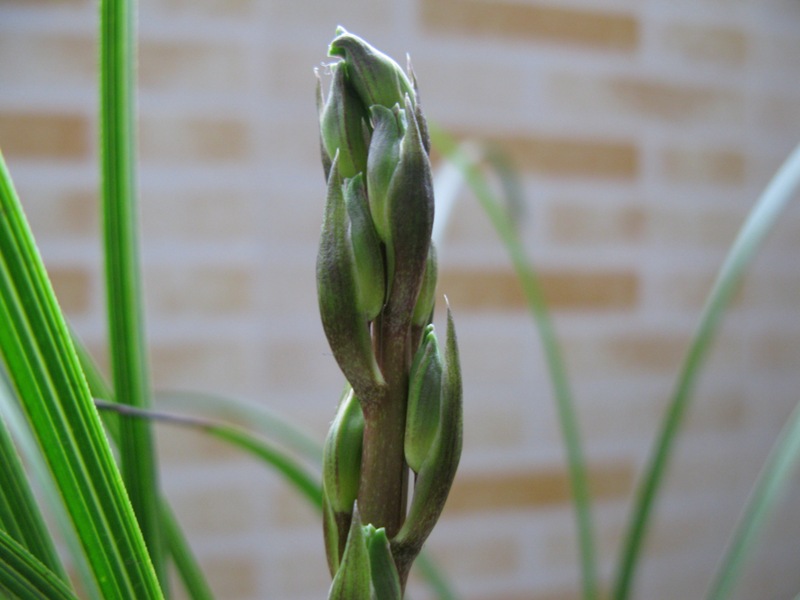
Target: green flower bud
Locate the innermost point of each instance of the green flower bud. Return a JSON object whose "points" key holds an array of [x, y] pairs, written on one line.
{"points": [[341, 304], [367, 252], [409, 203], [341, 463], [424, 401], [385, 580], [423, 310], [438, 470], [384, 154], [343, 126], [376, 78], [353, 579]]}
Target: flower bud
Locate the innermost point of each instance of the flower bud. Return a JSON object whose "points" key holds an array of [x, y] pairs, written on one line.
{"points": [[341, 304], [376, 78], [369, 267], [384, 153], [385, 579], [353, 578], [341, 463], [424, 401], [438, 470], [409, 203], [423, 309], [343, 125]]}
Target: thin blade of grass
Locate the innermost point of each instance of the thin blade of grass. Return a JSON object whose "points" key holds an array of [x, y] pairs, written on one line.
{"points": [[256, 418], [189, 571], [123, 286], [41, 362], [772, 480], [537, 305], [19, 511], [23, 575], [777, 195]]}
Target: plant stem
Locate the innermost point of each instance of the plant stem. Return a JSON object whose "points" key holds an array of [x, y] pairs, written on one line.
{"points": [[123, 289], [384, 474]]}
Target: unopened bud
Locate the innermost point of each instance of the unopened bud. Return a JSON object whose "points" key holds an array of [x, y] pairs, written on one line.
{"points": [[343, 125], [424, 401], [340, 300], [384, 153], [426, 299], [369, 267], [377, 78], [341, 463], [353, 578], [385, 579], [436, 475]]}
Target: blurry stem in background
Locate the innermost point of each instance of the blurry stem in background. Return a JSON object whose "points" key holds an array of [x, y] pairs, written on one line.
{"points": [[123, 289], [531, 286], [783, 187]]}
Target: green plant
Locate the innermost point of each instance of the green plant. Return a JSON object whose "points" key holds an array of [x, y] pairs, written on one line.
{"points": [[376, 279]]}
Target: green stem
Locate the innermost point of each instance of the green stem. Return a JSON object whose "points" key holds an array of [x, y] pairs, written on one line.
{"points": [[123, 289]]}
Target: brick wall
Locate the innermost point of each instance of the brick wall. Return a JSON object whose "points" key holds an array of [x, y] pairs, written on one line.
{"points": [[643, 132]]}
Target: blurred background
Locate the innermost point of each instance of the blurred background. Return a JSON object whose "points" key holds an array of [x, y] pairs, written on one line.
{"points": [[642, 132]]}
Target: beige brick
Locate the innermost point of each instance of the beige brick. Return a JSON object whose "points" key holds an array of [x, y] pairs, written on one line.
{"points": [[776, 351], [232, 576], [41, 135], [222, 366], [646, 97], [717, 45], [192, 66], [631, 353], [779, 113], [487, 428], [528, 595], [295, 573], [186, 140], [291, 510], [61, 211], [486, 555], [199, 215], [533, 21], [217, 510], [56, 58], [72, 285], [696, 226], [203, 290], [484, 289], [714, 166], [574, 223], [208, 8], [562, 157], [473, 492], [762, 291]]}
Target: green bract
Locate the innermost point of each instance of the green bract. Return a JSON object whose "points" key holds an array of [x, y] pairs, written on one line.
{"points": [[376, 77]]}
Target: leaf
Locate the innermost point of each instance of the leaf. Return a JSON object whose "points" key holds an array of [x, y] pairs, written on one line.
{"points": [[23, 576]]}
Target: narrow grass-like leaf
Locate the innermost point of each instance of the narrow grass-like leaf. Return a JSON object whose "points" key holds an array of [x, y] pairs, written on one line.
{"points": [[41, 362], [24, 576], [19, 511], [772, 480], [777, 195], [475, 179], [303, 481], [190, 573], [255, 417], [123, 287], [47, 491]]}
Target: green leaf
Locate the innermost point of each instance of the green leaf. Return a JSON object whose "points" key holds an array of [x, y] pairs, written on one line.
{"points": [[19, 512], [123, 286], [773, 479], [44, 369], [23, 576], [778, 194], [352, 580], [468, 170]]}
